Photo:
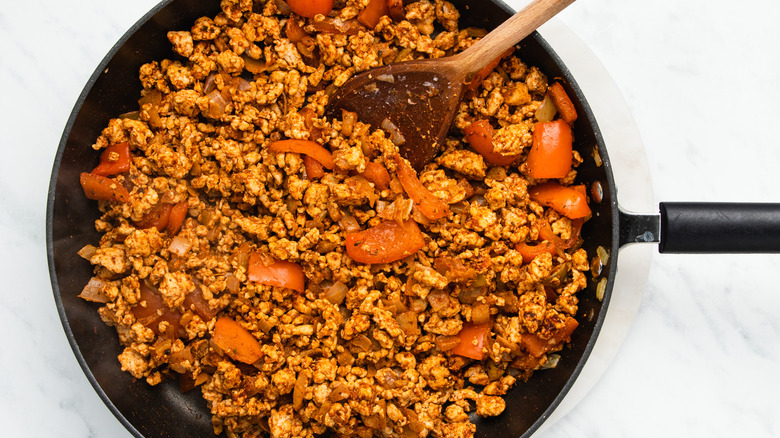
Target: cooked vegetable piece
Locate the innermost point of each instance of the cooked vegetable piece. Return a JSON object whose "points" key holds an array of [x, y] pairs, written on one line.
{"points": [[530, 252], [373, 12], [385, 243], [563, 103], [101, 188], [157, 217], [194, 301], [307, 147], [314, 169], [377, 174], [550, 155], [479, 135], [310, 8], [236, 341], [176, 217], [568, 201], [472, 340], [265, 270], [93, 291], [151, 310], [432, 207], [537, 346], [294, 30], [115, 159], [547, 110], [396, 9], [339, 26]]}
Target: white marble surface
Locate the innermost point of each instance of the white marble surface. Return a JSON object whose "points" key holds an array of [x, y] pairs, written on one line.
{"points": [[701, 79]]}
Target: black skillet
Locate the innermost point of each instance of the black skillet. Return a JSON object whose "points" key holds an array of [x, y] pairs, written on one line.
{"points": [[162, 411]]}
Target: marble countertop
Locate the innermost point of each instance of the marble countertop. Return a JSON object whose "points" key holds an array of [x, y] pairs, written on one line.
{"points": [[699, 81]]}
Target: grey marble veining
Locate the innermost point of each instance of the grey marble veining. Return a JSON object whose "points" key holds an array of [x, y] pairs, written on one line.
{"points": [[701, 81]]}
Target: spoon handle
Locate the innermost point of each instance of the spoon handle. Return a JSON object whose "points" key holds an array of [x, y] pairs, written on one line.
{"points": [[510, 32]]}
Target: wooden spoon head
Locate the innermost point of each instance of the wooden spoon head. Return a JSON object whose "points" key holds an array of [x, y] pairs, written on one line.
{"points": [[418, 98]]}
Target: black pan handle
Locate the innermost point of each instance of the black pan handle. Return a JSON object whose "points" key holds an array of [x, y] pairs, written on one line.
{"points": [[706, 227]]}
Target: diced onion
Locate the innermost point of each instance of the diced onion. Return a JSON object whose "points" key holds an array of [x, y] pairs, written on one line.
{"points": [[231, 283], [217, 104], [603, 255], [180, 245], [395, 134], [552, 361], [446, 343], [349, 224], [93, 291], [480, 313], [243, 85], [601, 289], [87, 252], [209, 84], [390, 79], [547, 110], [336, 293]]}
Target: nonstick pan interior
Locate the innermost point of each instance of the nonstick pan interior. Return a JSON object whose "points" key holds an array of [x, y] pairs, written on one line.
{"points": [[162, 411]]}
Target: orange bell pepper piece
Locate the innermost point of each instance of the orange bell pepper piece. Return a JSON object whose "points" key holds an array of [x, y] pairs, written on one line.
{"points": [[157, 217], [115, 159], [370, 16], [563, 103], [432, 207], [176, 217], [313, 168], [537, 346], [479, 135], [550, 155], [396, 9], [101, 188], [279, 273], [310, 8], [307, 147], [530, 252], [236, 341], [377, 174], [385, 243], [472, 340], [568, 201]]}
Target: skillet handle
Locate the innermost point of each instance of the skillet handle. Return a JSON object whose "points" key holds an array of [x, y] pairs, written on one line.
{"points": [[713, 227]]}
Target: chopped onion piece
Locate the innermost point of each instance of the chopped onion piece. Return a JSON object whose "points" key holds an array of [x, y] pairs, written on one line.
{"points": [[93, 291], [180, 245], [552, 361], [349, 224], [603, 255], [547, 110], [243, 85], [601, 289], [395, 134], [336, 293], [390, 79], [87, 252], [209, 84]]}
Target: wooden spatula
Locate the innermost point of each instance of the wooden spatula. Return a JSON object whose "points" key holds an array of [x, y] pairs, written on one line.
{"points": [[417, 100]]}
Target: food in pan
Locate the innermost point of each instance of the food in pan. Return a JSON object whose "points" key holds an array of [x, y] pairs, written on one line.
{"points": [[294, 268]]}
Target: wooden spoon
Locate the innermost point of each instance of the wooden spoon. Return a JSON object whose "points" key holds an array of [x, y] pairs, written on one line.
{"points": [[416, 100]]}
